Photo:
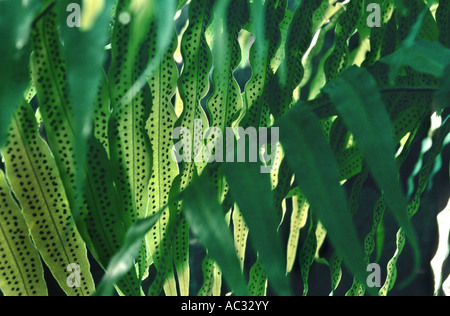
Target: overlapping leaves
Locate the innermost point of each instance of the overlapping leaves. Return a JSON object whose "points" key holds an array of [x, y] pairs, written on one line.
{"points": [[100, 168]]}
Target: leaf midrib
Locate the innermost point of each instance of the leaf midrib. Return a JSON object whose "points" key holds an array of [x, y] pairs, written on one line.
{"points": [[108, 241], [47, 206]]}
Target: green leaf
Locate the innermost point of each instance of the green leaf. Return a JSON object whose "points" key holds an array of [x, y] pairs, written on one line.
{"points": [[356, 97], [148, 15], [414, 206], [257, 285], [252, 192], [124, 259], [102, 113], [300, 209], [372, 238], [22, 272], [443, 22], [83, 57], [381, 34], [96, 213], [207, 222], [338, 60], [290, 73], [326, 18], [129, 142], [208, 266], [357, 287], [164, 169], [193, 86], [34, 178], [240, 233], [256, 110], [84, 53], [423, 56], [139, 134], [317, 175], [16, 18], [226, 102], [128, 139]]}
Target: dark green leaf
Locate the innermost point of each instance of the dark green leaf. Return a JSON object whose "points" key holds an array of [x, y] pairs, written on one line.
{"points": [[357, 99], [16, 18], [124, 260], [251, 190], [317, 175], [423, 56], [204, 214]]}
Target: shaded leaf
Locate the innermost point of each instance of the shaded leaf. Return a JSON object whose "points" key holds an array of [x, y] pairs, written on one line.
{"points": [[317, 175], [252, 192], [368, 120], [16, 18], [207, 222], [125, 258], [423, 56]]}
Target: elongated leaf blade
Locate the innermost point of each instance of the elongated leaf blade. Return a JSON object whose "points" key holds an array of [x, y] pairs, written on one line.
{"points": [[129, 144], [423, 56], [356, 97], [84, 52], [256, 110], [251, 190], [208, 277], [316, 171], [193, 86], [35, 180], [128, 138], [306, 256], [207, 222], [124, 259], [257, 285], [300, 209], [15, 23], [164, 168], [290, 73], [22, 272], [240, 233], [338, 60], [414, 206], [443, 23], [94, 204]]}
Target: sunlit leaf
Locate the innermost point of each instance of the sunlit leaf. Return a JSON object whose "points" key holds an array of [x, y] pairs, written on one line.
{"points": [[44, 203], [19, 257]]}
